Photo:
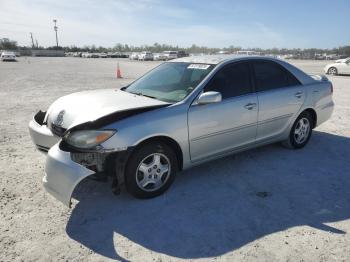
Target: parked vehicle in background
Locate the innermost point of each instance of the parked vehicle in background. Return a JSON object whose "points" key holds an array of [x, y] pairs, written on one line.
{"points": [[115, 55], [102, 55], [134, 56], [247, 52], [8, 56], [332, 57], [86, 55], [340, 67], [145, 56], [320, 57], [170, 55], [180, 114], [182, 54], [223, 52], [124, 55], [159, 57]]}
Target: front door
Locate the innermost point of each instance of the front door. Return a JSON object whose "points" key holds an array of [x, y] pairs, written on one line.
{"points": [[221, 127]]}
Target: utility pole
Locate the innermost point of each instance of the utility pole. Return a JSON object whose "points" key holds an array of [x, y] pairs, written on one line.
{"points": [[31, 36], [55, 28], [37, 45]]}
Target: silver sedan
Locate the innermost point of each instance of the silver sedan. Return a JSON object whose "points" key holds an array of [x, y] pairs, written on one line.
{"points": [[180, 114]]}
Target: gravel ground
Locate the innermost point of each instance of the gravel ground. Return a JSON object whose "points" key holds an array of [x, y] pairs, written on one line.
{"points": [[266, 204]]}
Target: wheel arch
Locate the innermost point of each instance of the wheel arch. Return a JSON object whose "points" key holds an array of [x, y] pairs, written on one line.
{"points": [[313, 113], [336, 69], [167, 140]]}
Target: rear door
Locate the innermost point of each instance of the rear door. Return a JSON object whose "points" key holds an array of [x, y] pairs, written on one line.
{"points": [[280, 96], [218, 128]]}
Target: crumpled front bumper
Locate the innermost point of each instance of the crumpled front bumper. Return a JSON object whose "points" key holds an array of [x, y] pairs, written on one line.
{"points": [[62, 174]]}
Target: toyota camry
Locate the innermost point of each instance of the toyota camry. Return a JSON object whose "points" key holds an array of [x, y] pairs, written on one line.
{"points": [[182, 113]]}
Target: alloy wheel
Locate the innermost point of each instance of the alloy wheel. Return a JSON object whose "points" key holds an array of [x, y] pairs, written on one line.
{"points": [[302, 130], [153, 172]]}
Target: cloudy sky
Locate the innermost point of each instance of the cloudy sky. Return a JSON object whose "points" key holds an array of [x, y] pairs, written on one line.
{"points": [[248, 23]]}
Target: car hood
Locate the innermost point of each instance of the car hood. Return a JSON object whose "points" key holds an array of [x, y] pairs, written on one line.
{"points": [[87, 106]]}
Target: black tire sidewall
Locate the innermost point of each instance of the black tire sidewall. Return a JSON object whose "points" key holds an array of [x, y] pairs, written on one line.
{"points": [[137, 156], [292, 141], [336, 71]]}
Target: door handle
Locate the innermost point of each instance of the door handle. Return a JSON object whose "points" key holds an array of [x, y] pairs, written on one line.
{"points": [[298, 94], [250, 106]]}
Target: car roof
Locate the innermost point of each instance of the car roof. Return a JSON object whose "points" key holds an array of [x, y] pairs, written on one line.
{"points": [[217, 59]]}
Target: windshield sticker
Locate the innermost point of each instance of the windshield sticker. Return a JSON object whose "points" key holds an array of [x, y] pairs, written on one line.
{"points": [[198, 66]]}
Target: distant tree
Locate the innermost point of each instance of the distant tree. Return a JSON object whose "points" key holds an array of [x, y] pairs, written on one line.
{"points": [[344, 51], [7, 44]]}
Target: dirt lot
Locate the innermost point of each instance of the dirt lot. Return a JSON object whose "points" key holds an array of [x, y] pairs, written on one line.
{"points": [[267, 204]]}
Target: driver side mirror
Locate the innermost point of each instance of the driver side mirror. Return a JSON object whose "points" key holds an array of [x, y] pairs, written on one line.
{"points": [[209, 98]]}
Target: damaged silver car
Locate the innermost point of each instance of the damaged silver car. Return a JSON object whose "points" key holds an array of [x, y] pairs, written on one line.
{"points": [[180, 114]]}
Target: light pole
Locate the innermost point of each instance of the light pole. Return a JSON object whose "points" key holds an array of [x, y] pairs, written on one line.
{"points": [[55, 28]]}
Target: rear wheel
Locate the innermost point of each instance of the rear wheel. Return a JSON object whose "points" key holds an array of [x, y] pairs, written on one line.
{"points": [[151, 170], [301, 131], [332, 71]]}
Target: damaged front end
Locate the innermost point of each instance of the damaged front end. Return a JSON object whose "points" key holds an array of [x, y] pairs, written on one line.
{"points": [[80, 153], [62, 174], [65, 168], [41, 135]]}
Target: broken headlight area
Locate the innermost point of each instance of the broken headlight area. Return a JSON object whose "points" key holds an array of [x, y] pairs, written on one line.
{"points": [[104, 164], [88, 139], [40, 117], [92, 161], [57, 130]]}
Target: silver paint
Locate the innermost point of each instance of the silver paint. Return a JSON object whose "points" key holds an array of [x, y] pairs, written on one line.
{"points": [[202, 131]]}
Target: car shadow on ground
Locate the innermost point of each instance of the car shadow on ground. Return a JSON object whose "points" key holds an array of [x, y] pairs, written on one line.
{"points": [[222, 205]]}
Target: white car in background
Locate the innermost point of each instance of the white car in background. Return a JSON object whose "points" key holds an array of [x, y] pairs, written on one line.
{"points": [[102, 55], [170, 55], [86, 55], [340, 67], [159, 57], [8, 56], [134, 56], [145, 56]]}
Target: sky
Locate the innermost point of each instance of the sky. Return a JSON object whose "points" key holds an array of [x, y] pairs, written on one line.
{"points": [[212, 23]]}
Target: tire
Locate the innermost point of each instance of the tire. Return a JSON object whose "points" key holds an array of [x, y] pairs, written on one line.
{"points": [[332, 71], [151, 170], [300, 132]]}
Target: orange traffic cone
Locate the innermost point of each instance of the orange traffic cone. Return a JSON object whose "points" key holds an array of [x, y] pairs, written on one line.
{"points": [[119, 74]]}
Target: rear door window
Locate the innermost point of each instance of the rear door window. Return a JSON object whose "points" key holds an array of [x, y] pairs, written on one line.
{"points": [[270, 75]]}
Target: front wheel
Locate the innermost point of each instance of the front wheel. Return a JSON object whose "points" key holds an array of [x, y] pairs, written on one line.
{"points": [[301, 131], [151, 170], [332, 71]]}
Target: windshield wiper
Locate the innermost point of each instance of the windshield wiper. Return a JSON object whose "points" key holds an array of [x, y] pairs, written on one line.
{"points": [[141, 94]]}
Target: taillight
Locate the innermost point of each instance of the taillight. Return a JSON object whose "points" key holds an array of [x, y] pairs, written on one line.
{"points": [[331, 88]]}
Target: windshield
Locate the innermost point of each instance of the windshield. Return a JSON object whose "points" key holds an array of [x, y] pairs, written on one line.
{"points": [[170, 82]]}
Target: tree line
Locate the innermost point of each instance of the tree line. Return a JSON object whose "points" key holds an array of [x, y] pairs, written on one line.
{"points": [[7, 44]]}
